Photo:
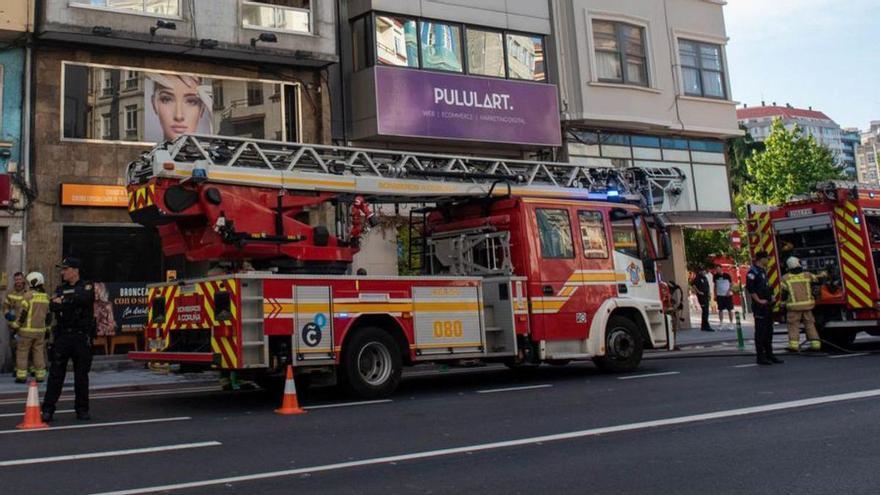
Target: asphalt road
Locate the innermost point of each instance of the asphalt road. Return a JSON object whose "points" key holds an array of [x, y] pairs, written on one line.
{"points": [[688, 425]]}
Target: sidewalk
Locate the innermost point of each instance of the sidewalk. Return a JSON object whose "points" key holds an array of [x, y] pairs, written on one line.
{"points": [[118, 381]]}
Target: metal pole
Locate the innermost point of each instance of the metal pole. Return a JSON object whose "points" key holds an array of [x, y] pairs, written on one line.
{"points": [[740, 343]]}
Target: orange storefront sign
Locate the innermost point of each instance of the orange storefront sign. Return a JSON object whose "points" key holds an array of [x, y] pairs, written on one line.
{"points": [[94, 195]]}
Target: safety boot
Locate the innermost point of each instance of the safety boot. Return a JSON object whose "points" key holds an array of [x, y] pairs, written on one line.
{"points": [[815, 345], [21, 376]]}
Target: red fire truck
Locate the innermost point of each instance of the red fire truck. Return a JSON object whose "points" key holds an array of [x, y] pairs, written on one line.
{"points": [[835, 230], [522, 262]]}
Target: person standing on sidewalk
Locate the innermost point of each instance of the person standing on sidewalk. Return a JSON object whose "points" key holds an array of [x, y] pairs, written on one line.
{"points": [[11, 304], [701, 287], [723, 295], [74, 307], [797, 287], [32, 323], [762, 307]]}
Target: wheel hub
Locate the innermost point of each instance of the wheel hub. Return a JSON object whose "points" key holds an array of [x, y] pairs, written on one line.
{"points": [[621, 344], [374, 364]]}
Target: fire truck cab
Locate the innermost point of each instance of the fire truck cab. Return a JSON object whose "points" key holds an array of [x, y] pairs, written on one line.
{"points": [[511, 271]]}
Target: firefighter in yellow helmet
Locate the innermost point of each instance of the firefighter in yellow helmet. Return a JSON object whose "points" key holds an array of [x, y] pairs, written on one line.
{"points": [[797, 287], [32, 324]]}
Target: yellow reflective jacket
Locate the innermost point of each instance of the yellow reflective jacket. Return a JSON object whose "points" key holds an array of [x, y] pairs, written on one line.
{"points": [[798, 286], [34, 314]]}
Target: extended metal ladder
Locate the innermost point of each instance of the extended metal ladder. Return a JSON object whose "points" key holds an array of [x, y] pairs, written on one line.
{"points": [[394, 176]]}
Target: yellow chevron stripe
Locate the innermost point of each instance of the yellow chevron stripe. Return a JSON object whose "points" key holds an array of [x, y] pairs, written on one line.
{"points": [[853, 251], [851, 207], [228, 345], [853, 264], [861, 296]]}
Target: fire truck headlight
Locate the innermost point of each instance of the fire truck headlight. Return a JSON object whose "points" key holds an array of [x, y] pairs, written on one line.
{"points": [[857, 220]]}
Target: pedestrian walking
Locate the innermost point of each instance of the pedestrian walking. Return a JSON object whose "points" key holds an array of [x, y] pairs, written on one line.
{"points": [[723, 295], [797, 291], [701, 288], [10, 307], [73, 308], [762, 307], [31, 325]]}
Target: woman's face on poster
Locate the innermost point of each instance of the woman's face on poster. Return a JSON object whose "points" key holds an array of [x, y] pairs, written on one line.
{"points": [[179, 106]]}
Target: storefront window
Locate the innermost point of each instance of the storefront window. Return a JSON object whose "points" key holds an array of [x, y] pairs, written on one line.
{"points": [[283, 15], [441, 46], [397, 41], [485, 53], [154, 106], [525, 57], [157, 7]]}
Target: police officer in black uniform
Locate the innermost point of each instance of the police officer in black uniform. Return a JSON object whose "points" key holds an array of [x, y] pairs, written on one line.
{"points": [[762, 306], [73, 307]]}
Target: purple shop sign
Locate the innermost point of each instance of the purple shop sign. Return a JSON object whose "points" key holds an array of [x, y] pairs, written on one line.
{"points": [[414, 103]]}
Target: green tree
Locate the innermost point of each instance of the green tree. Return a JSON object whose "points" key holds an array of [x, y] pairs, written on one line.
{"points": [[790, 164]]}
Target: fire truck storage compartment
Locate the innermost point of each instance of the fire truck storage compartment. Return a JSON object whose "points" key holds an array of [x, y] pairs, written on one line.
{"points": [[811, 240], [189, 340], [501, 298]]}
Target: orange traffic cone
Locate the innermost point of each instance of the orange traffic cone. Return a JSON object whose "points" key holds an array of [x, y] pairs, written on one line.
{"points": [[32, 419], [289, 404]]}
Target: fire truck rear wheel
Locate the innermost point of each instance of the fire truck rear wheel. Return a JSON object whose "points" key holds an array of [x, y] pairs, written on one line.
{"points": [[623, 346], [371, 363]]}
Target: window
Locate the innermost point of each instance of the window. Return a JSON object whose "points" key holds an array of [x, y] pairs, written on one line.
{"points": [[156, 7], [593, 234], [621, 56], [624, 235], [283, 15], [485, 53], [645, 142], [131, 118], [169, 104], [615, 139], [397, 41], [525, 57], [254, 94], [702, 69], [674, 143], [441, 46], [106, 130], [554, 228], [131, 79], [707, 146]]}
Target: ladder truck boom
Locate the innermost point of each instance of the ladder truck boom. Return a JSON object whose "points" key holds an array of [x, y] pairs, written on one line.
{"points": [[221, 198]]}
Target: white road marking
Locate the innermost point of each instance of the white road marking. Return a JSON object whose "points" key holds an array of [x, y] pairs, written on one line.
{"points": [[750, 365], [648, 375], [512, 389], [468, 449], [99, 425], [112, 453], [118, 395], [348, 404], [12, 415], [839, 356]]}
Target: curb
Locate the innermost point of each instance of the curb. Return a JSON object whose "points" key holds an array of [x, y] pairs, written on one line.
{"points": [[140, 387]]}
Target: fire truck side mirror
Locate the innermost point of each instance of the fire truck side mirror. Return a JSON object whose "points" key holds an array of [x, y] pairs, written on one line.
{"points": [[664, 250]]}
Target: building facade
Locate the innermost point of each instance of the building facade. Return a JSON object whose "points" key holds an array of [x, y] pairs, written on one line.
{"points": [[645, 84], [867, 155], [16, 23], [111, 79], [850, 138], [443, 76], [814, 123]]}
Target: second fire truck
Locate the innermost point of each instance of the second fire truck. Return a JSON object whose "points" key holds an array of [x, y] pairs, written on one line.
{"points": [[835, 230], [522, 262]]}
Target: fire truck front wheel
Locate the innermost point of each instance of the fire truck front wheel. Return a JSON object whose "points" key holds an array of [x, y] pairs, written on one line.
{"points": [[623, 346], [371, 363]]}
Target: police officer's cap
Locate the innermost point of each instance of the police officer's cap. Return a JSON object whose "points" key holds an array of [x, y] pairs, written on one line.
{"points": [[70, 262], [761, 255]]}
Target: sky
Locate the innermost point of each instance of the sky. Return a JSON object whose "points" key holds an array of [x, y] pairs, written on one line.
{"points": [[819, 53]]}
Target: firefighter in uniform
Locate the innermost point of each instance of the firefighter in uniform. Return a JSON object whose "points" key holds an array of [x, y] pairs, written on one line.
{"points": [[762, 305], [797, 287], [31, 326], [73, 307], [11, 304]]}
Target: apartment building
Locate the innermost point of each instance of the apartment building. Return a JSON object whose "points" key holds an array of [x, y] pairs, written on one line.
{"points": [[851, 139], [868, 155], [646, 84], [113, 78], [814, 123]]}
